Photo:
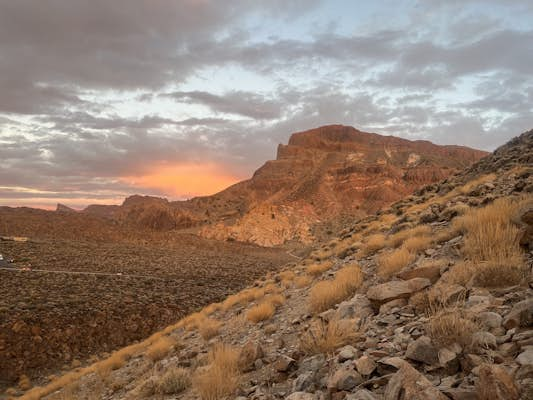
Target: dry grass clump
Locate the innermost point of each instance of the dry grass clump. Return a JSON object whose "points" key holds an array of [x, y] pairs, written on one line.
{"points": [[174, 381], [209, 328], [266, 309], [449, 326], [211, 308], [391, 263], [373, 243], [221, 377], [160, 348], [302, 281], [400, 237], [417, 243], [491, 243], [318, 269], [287, 278], [243, 297], [326, 337], [326, 294], [467, 187]]}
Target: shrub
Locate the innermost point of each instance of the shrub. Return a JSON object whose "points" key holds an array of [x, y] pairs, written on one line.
{"points": [[449, 326], [208, 328], [261, 312], [324, 337], [391, 263], [160, 348], [174, 381], [221, 377], [326, 294], [318, 269]]}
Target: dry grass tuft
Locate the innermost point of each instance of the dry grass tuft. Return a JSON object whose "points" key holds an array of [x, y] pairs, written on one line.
{"points": [[221, 377], [449, 326], [318, 269], [209, 328], [326, 294], [160, 348], [275, 299], [325, 337], [174, 381], [391, 263], [417, 243], [491, 243], [372, 244], [399, 238], [261, 312], [302, 281]]}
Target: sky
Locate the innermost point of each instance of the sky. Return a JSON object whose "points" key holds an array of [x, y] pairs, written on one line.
{"points": [[103, 99]]}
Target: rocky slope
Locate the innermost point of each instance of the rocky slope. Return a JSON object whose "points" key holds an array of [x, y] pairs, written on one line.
{"points": [[428, 299], [322, 177]]}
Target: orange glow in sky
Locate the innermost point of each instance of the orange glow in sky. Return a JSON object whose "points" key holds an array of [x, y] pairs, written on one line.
{"points": [[185, 180]]}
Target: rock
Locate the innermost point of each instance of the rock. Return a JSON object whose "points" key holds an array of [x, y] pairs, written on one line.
{"points": [[489, 320], [304, 382], [357, 307], [462, 393], [365, 365], [478, 304], [482, 341], [520, 315], [470, 361], [432, 273], [250, 352], [495, 384], [393, 290], [448, 360], [347, 353], [410, 384], [422, 350], [313, 363], [300, 396], [387, 307], [362, 394], [284, 363], [344, 379], [525, 358]]}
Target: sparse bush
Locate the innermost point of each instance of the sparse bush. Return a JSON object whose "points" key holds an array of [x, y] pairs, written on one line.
{"points": [[450, 326], [318, 269], [174, 381], [326, 294], [326, 337], [160, 348], [208, 328], [391, 263], [221, 377]]}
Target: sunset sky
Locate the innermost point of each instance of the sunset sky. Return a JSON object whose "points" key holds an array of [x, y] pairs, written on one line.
{"points": [[102, 99]]}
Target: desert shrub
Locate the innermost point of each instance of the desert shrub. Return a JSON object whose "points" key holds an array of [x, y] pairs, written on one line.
{"points": [[174, 381], [372, 244], [417, 243], [208, 328], [318, 269], [448, 326], [326, 294], [397, 239], [221, 377], [326, 337], [391, 263], [160, 348], [491, 243], [302, 281], [261, 312]]}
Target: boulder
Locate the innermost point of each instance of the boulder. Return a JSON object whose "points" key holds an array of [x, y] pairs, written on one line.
{"points": [[410, 384], [347, 353], [393, 290], [362, 394], [284, 364], [422, 350], [250, 352], [357, 307], [520, 315], [495, 384], [344, 379], [304, 382], [525, 358], [365, 365]]}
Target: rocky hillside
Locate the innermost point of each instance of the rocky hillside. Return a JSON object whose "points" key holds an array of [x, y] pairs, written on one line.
{"points": [[321, 178], [428, 299]]}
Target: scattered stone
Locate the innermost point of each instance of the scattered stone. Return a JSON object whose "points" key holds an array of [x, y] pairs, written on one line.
{"points": [[365, 365], [422, 350], [250, 352], [357, 307], [410, 384], [362, 394], [393, 290], [347, 353], [432, 273], [301, 396], [525, 358], [284, 363], [389, 306], [344, 379], [482, 341], [304, 382], [489, 320], [495, 384], [313, 363], [520, 315]]}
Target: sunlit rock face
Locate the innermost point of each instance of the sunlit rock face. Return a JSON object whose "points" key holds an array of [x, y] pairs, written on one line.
{"points": [[322, 176]]}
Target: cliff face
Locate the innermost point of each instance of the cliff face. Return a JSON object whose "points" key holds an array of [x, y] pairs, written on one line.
{"points": [[328, 173]]}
